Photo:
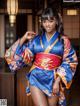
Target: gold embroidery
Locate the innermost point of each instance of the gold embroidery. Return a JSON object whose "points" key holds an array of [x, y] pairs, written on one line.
{"points": [[44, 62], [50, 47]]}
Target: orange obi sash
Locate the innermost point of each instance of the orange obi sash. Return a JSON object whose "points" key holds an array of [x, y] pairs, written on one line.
{"points": [[47, 61]]}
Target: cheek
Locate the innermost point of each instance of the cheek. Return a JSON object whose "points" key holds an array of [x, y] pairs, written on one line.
{"points": [[54, 25]]}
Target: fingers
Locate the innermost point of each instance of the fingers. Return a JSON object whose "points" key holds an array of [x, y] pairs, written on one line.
{"points": [[55, 91], [55, 88], [30, 35], [33, 33], [56, 94]]}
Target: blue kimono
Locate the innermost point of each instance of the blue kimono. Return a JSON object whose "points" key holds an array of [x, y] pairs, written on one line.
{"points": [[51, 58]]}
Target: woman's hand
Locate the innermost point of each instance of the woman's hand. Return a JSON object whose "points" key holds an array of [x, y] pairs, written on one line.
{"points": [[56, 86], [29, 35]]}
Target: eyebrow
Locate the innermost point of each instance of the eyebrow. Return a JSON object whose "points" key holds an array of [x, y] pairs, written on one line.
{"points": [[47, 18]]}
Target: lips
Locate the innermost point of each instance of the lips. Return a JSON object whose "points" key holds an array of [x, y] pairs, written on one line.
{"points": [[48, 28]]}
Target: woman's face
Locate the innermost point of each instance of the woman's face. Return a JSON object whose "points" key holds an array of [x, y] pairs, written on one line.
{"points": [[49, 25]]}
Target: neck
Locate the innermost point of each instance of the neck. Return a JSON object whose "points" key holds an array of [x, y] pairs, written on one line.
{"points": [[49, 35]]}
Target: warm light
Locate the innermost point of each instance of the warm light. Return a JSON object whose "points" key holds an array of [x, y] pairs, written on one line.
{"points": [[72, 12], [68, 0], [40, 19], [12, 9], [12, 19], [71, 1]]}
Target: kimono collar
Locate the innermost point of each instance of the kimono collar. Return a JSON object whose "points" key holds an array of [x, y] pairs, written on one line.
{"points": [[46, 43]]}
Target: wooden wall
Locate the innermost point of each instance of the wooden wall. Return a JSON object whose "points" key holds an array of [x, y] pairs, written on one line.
{"points": [[7, 88], [71, 24], [13, 88], [22, 98]]}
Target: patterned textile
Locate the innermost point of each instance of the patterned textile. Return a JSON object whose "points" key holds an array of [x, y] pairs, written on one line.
{"points": [[18, 56], [47, 61]]}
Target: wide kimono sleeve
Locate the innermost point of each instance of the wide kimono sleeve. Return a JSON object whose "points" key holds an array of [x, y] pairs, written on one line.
{"points": [[67, 69], [18, 56]]}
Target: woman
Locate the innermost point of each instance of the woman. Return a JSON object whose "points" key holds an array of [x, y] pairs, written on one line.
{"points": [[54, 60]]}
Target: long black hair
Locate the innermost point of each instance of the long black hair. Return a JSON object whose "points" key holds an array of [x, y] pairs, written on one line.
{"points": [[50, 13]]}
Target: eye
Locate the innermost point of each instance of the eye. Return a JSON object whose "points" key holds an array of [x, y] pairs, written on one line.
{"points": [[44, 21]]}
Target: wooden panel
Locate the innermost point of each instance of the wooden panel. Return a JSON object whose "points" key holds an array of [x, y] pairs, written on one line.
{"points": [[22, 98], [7, 87], [71, 25]]}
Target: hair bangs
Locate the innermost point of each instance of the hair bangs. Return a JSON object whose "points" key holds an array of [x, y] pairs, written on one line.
{"points": [[47, 17]]}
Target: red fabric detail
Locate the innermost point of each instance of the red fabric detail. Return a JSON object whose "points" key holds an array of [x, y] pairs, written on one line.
{"points": [[47, 61]]}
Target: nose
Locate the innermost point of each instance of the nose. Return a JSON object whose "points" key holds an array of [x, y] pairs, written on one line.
{"points": [[47, 23]]}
